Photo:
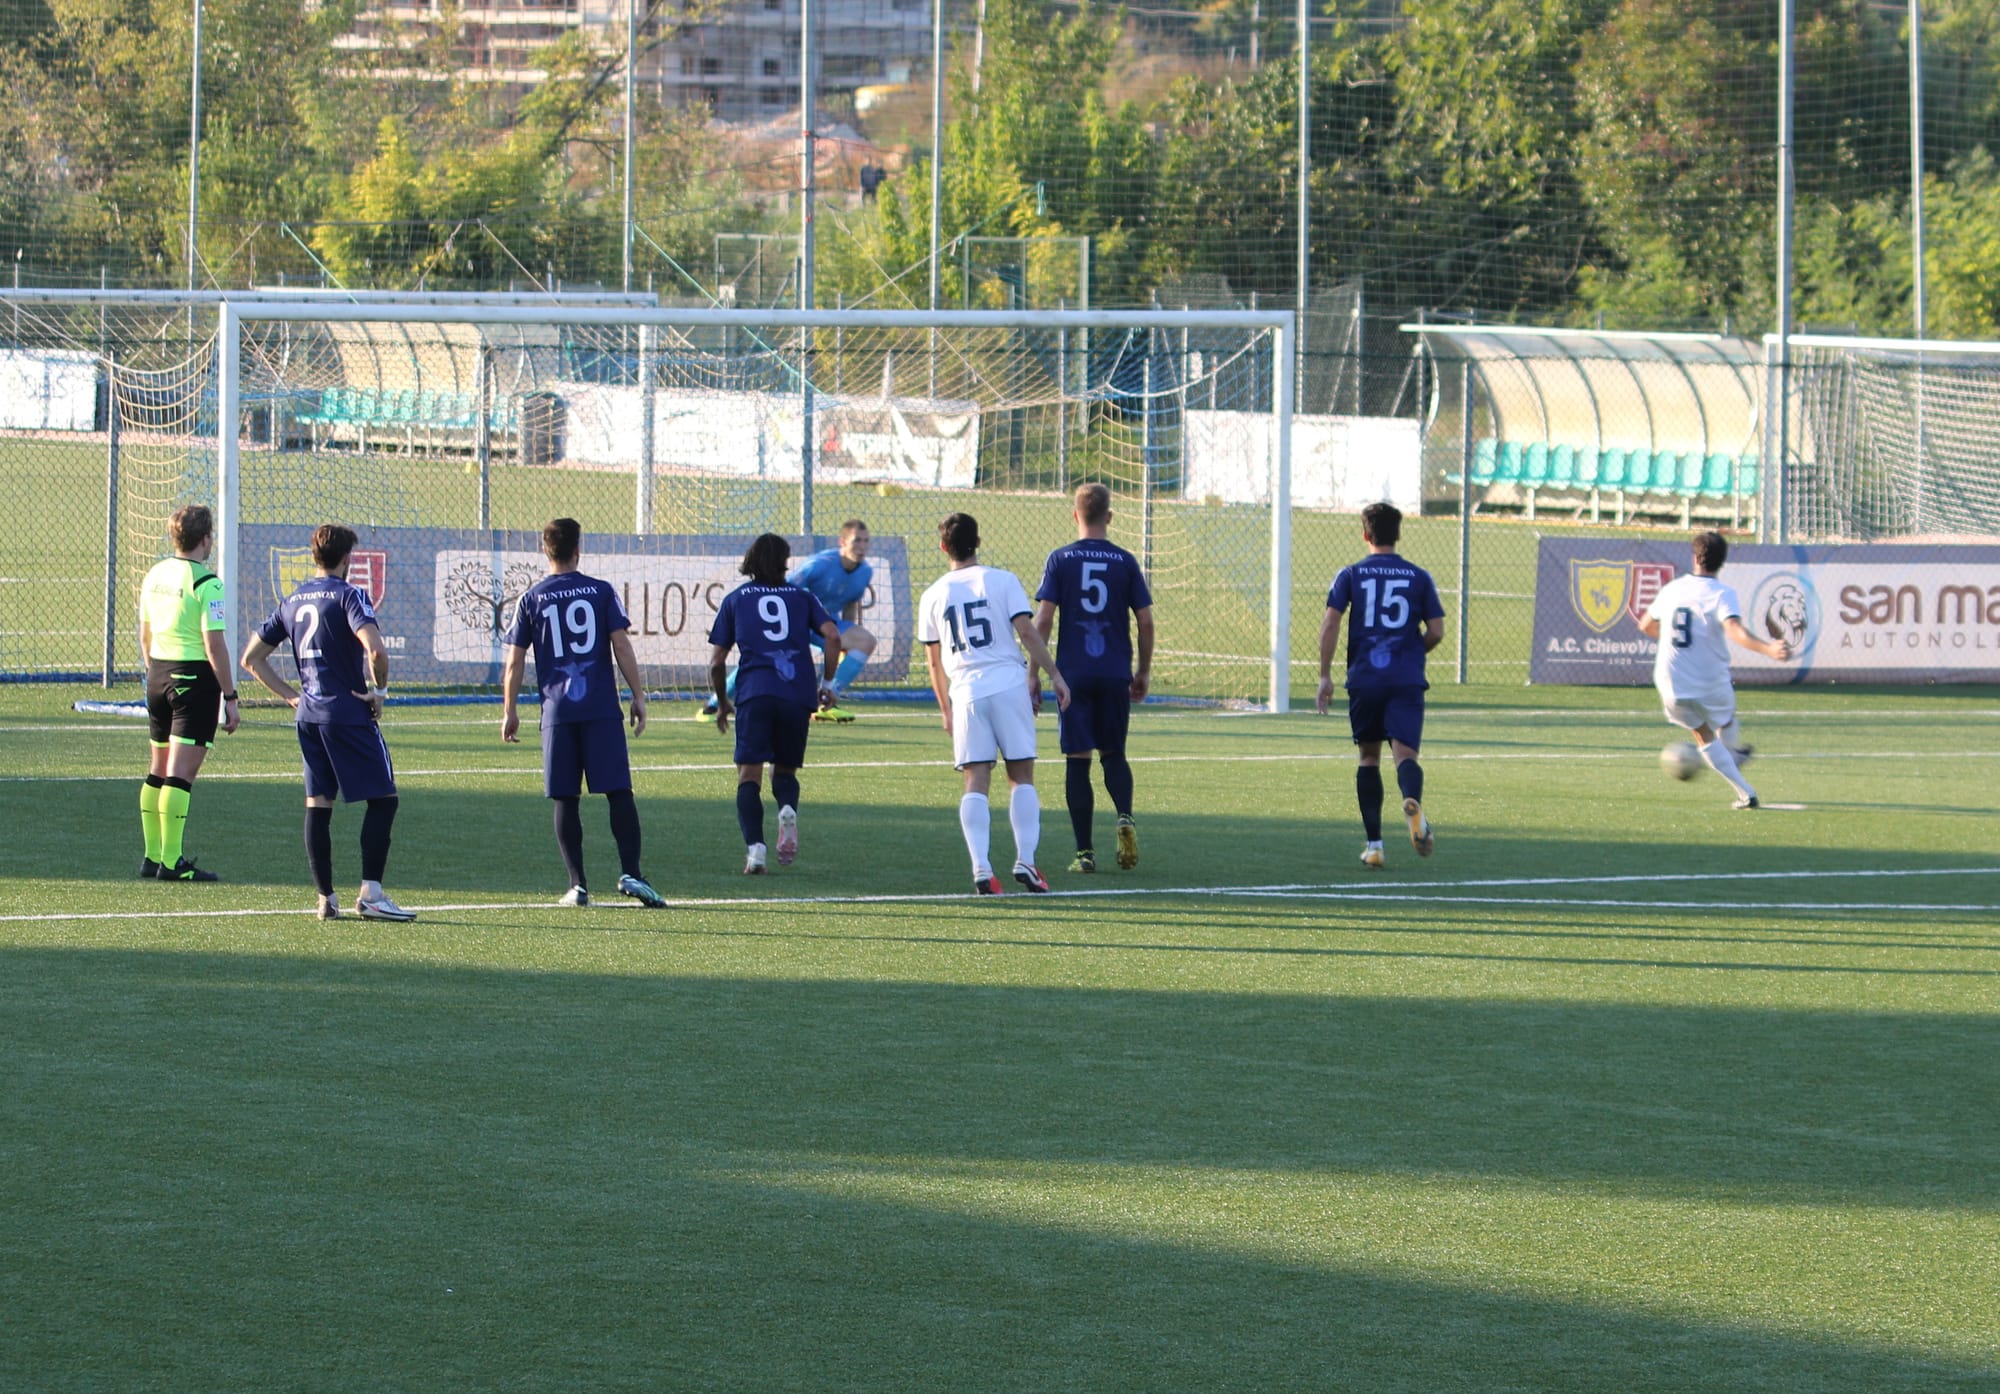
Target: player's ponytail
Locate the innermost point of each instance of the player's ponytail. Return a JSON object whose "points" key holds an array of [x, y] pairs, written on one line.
{"points": [[960, 535], [767, 559]]}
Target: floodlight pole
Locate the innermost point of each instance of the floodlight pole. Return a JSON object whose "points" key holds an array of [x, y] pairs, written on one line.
{"points": [[1774, 467], [1305, 173], [806, 161], [631, 80], [194, 156], [937, 162], [1917, 226]]}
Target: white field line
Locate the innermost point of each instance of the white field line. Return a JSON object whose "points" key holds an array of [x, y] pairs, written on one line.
{"points": [[1339, 756], [1428, 892]]}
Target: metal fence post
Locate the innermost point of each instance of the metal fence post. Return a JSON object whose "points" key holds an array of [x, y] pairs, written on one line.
{"points": [[646, 429], [110, 518], [482, 434], [1464, 512]]}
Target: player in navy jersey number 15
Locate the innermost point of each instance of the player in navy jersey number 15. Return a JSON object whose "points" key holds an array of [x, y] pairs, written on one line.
{"points": [[1394, 619], [343, 670], [772, 624], [576, 627], [1096, 585]]}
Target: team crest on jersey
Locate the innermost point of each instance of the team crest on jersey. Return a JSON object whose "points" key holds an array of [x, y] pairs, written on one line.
{"points": [[1598, 590], [367, 571]]}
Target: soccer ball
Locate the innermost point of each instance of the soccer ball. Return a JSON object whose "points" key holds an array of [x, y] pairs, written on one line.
{"points": [[1680, 759]]}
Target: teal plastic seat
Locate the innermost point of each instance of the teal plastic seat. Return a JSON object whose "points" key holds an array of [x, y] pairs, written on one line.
{"points": [[1562, 467], [1613, 467], [1485, 460], [1715, 475], [1748, 472], [1535, 465], [1589, 469], [1638, 471], [1509, 467], [1688, 474]]}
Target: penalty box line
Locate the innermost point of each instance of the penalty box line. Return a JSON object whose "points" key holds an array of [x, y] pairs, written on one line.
{"points": [[1426, 892]]}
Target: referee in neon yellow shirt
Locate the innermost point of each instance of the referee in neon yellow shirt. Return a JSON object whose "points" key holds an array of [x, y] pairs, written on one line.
{"points": [[181, 635]]}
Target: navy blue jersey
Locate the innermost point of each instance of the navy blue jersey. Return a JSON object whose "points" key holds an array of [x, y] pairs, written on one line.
{"points": [[1096, 586], [322, 619], [568, 619], [1387, 601], [771, 628]]}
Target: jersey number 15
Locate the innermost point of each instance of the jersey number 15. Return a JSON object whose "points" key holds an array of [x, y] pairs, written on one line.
{"points": [[977, 632]]}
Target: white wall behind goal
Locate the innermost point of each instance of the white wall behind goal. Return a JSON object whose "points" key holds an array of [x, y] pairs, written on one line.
{"points": [[52, 390], [757, 434], [1342, 463]]}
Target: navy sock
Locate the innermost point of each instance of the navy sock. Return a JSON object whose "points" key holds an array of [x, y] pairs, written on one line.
{"points": [[1082, 800], [375, 824], [569, 838], [1368, 793], [750, 812], [1118, 782], [625, 830], [319, 848], [1410, 779], [785, 788]]}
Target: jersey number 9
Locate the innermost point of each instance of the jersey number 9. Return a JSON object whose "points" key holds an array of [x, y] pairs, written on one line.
{"points": [[777, 619]]}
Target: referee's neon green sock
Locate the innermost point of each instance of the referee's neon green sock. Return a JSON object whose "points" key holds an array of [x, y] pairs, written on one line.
{"points": [[173, 820], [150, 820]]}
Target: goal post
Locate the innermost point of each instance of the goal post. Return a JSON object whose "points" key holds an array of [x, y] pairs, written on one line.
{"points": [[695, 428]]}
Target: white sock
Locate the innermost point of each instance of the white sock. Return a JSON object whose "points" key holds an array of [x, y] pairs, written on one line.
{"points": [[1024, 811], [1731, 736], [1716, 754], [975, 820]]}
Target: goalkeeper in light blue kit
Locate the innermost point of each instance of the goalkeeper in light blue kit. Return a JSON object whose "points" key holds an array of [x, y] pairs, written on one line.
{"points": [[839, 577]]}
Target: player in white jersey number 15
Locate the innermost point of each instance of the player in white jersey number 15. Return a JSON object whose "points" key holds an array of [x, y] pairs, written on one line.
{"points": [[989, 694], [1696, 618]]}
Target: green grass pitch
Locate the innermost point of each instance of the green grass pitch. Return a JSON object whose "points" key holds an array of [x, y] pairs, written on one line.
{"points": [[1619, 1091]]}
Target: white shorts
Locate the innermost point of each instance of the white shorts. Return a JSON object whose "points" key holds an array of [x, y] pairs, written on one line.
{"points": [[999, 727], [1715, 711]]}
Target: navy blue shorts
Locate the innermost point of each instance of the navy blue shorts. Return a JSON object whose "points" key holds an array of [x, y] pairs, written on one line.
{"points": [[345, 761], [772, 731], [1387, 714], [1097, 718], [576, 751]]}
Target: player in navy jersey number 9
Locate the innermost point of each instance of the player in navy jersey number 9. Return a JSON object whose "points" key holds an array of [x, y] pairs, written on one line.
{"points": [[773, 625], [576, 627], [343, 668], [1394, 619]]}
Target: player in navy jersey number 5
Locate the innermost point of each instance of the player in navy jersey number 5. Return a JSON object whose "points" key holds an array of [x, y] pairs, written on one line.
{"points": [[1096, 584], [576, 627], [343, 670], [772, 624], [1394, 619]]}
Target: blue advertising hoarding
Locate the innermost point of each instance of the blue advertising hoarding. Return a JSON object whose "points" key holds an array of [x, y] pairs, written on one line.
{"points": [[1877, 613], [444, 596]]}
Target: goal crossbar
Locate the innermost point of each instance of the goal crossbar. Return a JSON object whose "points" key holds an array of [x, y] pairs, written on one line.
{"points": [[1281, 324]]}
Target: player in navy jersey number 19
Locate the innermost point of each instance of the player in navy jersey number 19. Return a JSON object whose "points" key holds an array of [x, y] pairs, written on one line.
{"points": [[772, 624], [1096, 584], [968, 622], [576, 627], [343, 670], [1394, 619]]}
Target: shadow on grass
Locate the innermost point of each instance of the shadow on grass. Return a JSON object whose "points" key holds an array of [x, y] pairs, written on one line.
{"points": [[238, 1172]]}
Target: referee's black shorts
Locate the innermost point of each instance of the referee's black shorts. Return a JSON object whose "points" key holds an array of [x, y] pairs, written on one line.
{"points": [[183, 701]]}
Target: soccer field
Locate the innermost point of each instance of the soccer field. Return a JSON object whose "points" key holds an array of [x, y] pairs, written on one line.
{"points": [[1619, 1091]]}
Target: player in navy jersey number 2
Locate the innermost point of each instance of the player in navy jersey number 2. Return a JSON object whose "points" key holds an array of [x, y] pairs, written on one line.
{"points": [[1096, 584], [1394, 619], [772, 624], [343, 670], [576, 627]]}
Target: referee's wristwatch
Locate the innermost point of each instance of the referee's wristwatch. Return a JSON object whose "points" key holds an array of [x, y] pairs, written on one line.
{"points": [[228, 696]]}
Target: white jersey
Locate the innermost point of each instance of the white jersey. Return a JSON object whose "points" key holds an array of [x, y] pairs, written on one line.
{"points": [[1693, 661], [969, 614]]}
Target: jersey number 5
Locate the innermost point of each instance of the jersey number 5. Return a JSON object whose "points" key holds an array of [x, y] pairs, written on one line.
{"points": [[1096, 595]]}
